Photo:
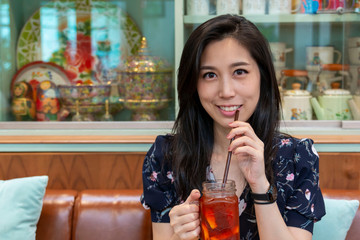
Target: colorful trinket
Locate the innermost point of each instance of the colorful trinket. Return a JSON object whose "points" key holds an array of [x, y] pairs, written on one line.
{"points": [[22, 105], [47, 101]]}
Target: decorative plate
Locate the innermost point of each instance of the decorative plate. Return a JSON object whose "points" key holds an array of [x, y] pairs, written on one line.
{"points": [[88, 38], [38, 71]]}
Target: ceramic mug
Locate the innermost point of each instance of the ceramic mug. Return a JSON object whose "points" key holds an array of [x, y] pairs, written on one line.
{"points": [[254, 7], [227, 6], [353, 42], [198, 7], [310, 6], [279, 52], [318, 55], [354, 55], [281, 7]]}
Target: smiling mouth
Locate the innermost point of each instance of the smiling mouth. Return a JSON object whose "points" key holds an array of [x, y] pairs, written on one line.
{"points": [[229, 108]]}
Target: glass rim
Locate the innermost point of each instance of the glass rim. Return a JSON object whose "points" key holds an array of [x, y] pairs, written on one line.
{"points": [[218, 183]]}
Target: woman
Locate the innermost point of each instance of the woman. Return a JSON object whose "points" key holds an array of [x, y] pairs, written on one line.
{"points": [[226, 66]]}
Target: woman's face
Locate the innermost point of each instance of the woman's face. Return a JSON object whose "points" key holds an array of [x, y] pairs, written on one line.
{"points": [[229, 79]]}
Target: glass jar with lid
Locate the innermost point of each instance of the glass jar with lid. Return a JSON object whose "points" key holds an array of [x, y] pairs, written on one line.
{"points": [[145, 84], [294, 79], [332, 76]]}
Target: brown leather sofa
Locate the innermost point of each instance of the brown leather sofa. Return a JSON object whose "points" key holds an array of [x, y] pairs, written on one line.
{"points": [[118, 214], [93, 215]]}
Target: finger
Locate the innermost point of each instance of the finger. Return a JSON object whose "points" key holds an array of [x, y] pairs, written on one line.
{"points": [[242, 129], [189, 206], [194, 196], [184, 209], [186, 225], [191, 223], [194, 234], [246, 150], [187, 218], [246, 141]]}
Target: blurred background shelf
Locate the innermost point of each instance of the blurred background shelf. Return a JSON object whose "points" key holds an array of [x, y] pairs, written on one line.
{"points": [[286, 18]]}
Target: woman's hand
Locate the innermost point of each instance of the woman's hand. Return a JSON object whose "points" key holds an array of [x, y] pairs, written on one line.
{"points": [[185, 218], [249, 152]]}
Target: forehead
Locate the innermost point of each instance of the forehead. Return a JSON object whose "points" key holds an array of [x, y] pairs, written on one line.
{"points": [[227, 50]]}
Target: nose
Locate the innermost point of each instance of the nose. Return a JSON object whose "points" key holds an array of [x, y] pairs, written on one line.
{"points": [[226, 87]]}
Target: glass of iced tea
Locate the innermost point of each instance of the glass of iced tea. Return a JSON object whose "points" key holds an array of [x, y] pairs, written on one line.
{"points": [[219, 211]]}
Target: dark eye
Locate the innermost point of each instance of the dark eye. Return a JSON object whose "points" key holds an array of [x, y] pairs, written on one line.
{"points": [[240, 72], [209, 75]]}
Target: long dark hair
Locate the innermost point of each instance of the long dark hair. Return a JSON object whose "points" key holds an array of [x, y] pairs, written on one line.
{"points": [[193, 136]]}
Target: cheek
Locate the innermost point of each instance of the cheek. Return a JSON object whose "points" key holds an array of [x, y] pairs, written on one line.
{"points": [[251, 94], [249, 90], [205, 91]]}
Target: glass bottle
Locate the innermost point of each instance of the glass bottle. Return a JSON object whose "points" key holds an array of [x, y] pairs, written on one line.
{"points": [[107, 116], [77, 117]]}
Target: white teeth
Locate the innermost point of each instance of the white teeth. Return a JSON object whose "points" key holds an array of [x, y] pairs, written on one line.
{"points": [[229, 109]]}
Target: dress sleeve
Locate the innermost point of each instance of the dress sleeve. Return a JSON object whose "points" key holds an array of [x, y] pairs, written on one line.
{"points": [[304, 203], [158, 188]]}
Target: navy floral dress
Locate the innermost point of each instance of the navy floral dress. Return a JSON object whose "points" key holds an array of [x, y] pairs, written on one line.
{"points": [[296, 170]]}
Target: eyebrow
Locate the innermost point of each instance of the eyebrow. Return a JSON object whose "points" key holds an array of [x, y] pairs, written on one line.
{"points": [[235, 64]]}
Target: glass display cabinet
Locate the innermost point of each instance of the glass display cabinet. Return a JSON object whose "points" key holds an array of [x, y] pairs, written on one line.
{"points": [[314, 47], [104, 71], [83, 60]]}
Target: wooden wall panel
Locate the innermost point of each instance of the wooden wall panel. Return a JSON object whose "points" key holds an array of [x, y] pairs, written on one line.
{"points": [[340, 170], [76, 170], [123, 170]]}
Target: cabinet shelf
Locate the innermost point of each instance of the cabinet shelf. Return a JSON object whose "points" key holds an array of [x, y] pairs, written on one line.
{"points": [[285, 18], [327, 127], [125, 136], [14, 135]]}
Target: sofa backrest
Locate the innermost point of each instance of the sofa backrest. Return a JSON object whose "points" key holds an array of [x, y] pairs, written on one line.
{"points": [[93, 214], [118, 214], [55, 222], [354, 231], [110, 214]]}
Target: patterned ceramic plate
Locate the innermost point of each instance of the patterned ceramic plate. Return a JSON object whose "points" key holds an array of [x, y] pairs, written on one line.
{"points": [[88, 38], [38, 71]]}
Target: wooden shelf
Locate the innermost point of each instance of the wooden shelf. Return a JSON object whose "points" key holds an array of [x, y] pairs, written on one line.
{"points": [[286, 18], [146, 139], [88, 139]]}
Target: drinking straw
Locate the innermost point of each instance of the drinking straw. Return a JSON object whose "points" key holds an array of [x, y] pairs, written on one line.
{"points": [[226, 172]]}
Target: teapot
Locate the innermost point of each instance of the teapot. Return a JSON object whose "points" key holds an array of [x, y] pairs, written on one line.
{"points": [[296, 105], [332, 105], [354, 105]]}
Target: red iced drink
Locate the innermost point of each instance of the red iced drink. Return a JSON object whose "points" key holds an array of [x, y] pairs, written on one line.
{"points": [[219, 211]]}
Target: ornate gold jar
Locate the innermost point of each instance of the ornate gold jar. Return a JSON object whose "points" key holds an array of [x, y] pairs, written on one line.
{"points": [[145, 84]]}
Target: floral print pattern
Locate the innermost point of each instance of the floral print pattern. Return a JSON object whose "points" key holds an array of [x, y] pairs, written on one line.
{"points": [[296, 171]]}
